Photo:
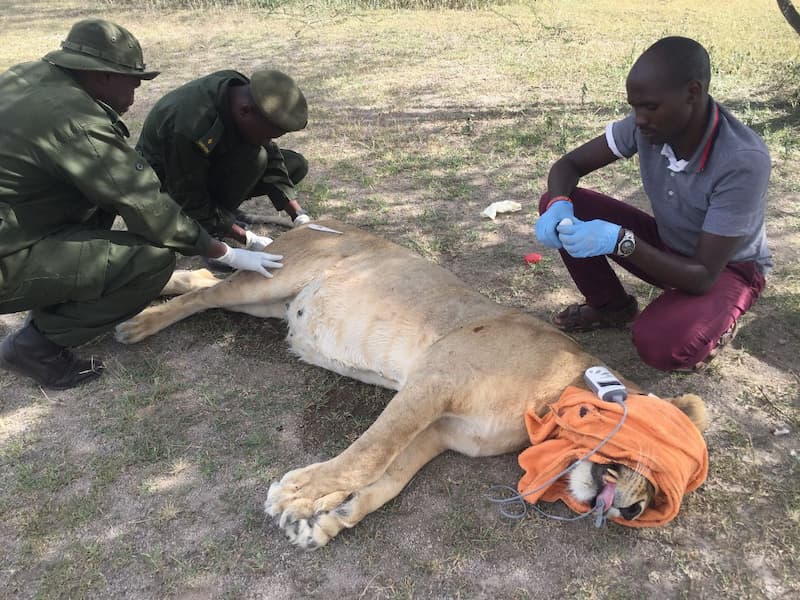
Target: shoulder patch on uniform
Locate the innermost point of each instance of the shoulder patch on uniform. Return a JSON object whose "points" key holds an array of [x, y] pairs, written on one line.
{"points": [[116, 121], [121, 128], [211, 138]]}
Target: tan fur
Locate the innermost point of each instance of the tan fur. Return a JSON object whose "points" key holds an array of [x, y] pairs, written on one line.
{"points": [[465, 368]]}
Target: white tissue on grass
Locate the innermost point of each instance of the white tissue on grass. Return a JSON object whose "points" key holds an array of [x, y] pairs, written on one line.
{"points": [[504, 206]]}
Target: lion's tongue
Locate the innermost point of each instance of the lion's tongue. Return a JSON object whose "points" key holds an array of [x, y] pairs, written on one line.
{"points": [[607, 495]]}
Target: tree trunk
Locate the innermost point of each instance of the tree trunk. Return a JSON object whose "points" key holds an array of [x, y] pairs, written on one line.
{"points": [[790, 14]]}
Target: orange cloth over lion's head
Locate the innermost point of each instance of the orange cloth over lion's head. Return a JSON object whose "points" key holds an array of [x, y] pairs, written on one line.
{"points": [[657, 440]]}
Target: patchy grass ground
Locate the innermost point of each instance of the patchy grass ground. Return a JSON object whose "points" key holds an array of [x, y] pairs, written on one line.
{"points": [[149, 482]]}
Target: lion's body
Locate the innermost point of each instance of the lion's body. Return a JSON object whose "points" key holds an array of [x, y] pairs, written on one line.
{"points": [[466, 369]]}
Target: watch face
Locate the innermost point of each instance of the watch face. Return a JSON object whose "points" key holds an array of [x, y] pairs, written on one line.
{"points": [[626, 247]]}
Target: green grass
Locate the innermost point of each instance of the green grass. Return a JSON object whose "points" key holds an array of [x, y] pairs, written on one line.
{"points": [[149, 483], [77, 574], [333, 5]]}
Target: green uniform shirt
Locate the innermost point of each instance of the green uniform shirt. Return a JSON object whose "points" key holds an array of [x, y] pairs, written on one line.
{"points": [[189, 133], [64, 162]]}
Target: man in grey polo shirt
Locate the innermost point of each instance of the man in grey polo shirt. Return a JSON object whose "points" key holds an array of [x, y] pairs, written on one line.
{"points": [[706, 176]]}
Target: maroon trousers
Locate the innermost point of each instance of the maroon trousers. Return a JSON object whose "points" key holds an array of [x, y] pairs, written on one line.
{"points": [[676, 330]]}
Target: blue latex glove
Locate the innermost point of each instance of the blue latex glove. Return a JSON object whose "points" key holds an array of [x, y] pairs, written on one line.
{"points": [[582, 239], [546, 224]]}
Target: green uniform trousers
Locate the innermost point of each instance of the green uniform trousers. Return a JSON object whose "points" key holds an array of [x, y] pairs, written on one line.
{"points": [[80, 283], [231, 182]]}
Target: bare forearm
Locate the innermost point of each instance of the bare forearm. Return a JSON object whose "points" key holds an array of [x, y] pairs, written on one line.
{"points": [[568, 170], [672, 270], [217, 249], [238, 234], [293, 209], [563, 178]]}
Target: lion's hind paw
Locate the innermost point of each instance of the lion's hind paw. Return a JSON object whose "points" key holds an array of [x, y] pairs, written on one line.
{"points": [[137, 328], [128, 332]]}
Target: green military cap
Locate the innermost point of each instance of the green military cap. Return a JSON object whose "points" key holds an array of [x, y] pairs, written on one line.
{"points": [[279, 99], [98, 45]]}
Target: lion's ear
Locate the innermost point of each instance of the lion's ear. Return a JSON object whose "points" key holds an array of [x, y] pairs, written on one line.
{"points": [[694, 408]]}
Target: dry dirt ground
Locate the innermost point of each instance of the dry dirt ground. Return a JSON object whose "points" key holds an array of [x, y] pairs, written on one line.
{"points": [[149, 482]]}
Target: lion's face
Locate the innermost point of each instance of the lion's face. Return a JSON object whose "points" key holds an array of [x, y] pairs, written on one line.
{"points": [[629, 493]]}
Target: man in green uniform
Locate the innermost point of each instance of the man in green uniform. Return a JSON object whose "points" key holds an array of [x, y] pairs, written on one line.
{"points": [[66, 171], [211, 143]]}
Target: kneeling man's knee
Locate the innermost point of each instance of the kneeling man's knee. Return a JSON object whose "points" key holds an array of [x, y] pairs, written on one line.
{"points": [[299, 170], [663, 349]]}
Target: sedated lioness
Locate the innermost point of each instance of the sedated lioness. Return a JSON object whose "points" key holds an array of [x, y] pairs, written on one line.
{"points": [[465, 368]]}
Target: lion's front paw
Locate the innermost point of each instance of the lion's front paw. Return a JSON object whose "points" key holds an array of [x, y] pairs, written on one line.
{"points": [[315, 488], [308, 523]]}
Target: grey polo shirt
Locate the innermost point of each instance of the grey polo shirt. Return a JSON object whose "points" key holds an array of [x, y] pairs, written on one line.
{"points": [[722, 189]]}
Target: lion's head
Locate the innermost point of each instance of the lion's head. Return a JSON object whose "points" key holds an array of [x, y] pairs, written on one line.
{"points": [[624, 488]]}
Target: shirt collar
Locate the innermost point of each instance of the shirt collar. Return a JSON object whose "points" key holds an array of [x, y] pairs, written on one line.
{"points": [[700, 157], [673, 164], [116, 121]]}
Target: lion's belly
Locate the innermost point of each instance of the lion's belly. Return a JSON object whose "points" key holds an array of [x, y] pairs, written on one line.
{"points": [[486, 435], [361, 340]]}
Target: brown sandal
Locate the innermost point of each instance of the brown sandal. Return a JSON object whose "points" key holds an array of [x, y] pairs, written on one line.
{"points": [[582, 317]]}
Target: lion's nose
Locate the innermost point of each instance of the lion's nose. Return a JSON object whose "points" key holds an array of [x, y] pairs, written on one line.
{"points": [[629, 513]]}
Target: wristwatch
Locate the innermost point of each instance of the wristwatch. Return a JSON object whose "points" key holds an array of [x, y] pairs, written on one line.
{"points": [[626, 244]]}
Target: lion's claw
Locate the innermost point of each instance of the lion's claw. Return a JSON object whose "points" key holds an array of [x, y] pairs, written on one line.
{"points": [[308, 529]]}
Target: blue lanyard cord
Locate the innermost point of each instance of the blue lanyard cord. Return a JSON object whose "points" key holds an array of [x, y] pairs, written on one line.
{"points": [[518, 500]]}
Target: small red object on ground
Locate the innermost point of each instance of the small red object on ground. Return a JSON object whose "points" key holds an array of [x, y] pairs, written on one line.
{"points": [[533, 258]]}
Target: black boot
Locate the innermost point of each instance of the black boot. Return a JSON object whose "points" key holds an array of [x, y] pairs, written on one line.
{"points": [[30, 353]]}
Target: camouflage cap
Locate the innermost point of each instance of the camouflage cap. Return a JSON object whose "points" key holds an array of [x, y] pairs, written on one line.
{"points": [[98, 45], [279, 99]]}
